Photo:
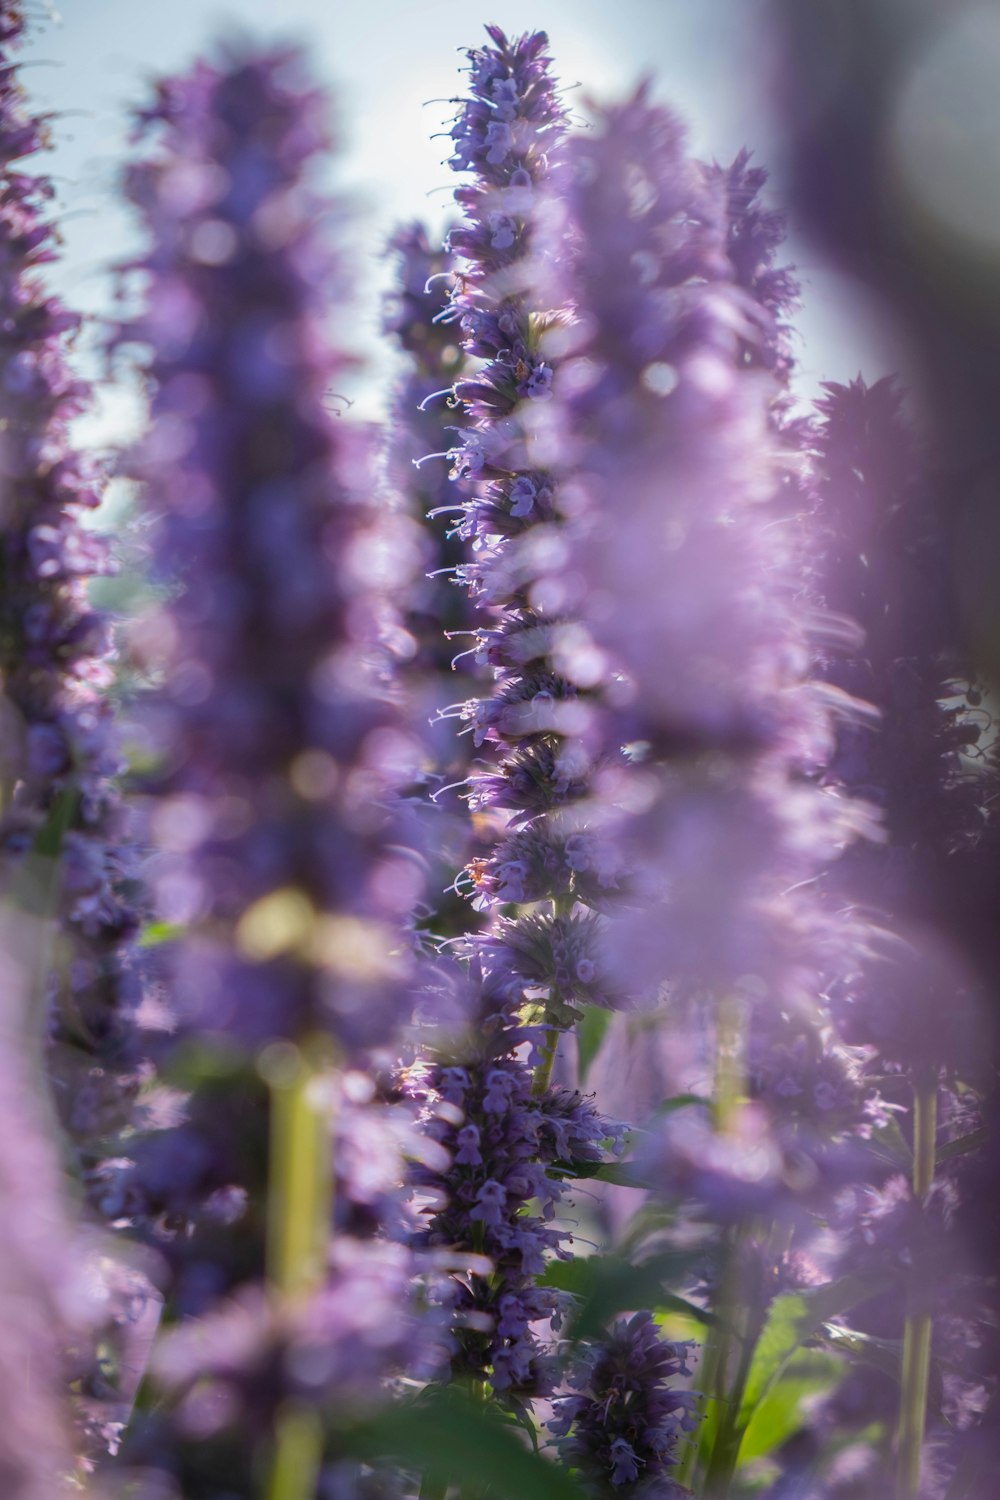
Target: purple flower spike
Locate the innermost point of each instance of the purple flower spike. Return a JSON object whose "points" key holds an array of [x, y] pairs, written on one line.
{"points": [[58, 759], [424, 414], [500, 1191], [666, 431], [624, 1426], [532, 727], [282, 846], [281, 748], [754, 237]]}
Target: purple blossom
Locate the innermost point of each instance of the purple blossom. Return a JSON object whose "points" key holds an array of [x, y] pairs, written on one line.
{"points": [[281, 749], [882, 563], [499, 1194], [283, 849], [59, 761], [422, 419], [624, 1426]]}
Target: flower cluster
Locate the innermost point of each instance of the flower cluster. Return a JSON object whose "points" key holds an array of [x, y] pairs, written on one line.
{"points": [[414, 315], [280, 848], [58, 760], [730, 791], [279, 744], [625, 1426], [499, 1194]]}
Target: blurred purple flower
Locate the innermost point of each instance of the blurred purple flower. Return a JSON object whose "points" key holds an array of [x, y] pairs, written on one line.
{"points": [[58, 758], [281, 747]]}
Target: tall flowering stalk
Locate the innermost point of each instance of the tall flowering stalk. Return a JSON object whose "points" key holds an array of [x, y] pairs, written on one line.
{"points": [[489, 1099], [58, 761], [67, 865], [666, 420], [884, 545], [505, 134], [439, 616], [280, 849], [415, 316]]}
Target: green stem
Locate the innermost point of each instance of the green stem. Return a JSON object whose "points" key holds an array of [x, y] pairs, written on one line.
{"points": [[711, 1376], [745, 1310], [562, 906], [729, 1080], [708, 1379], [300, 1205], [916, 1358], [298, 1452], [728, 1094], [924, 1135], [729, 1435], [543, 1073]]}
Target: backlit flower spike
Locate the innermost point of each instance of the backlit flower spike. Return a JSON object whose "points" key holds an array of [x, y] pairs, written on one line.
{"points": [[532, 728], [281, 744], [424, 412], [440, 617], [753, 241], [58, 758], [920, 762], [282, 848], [670, 455], [658, 402]]}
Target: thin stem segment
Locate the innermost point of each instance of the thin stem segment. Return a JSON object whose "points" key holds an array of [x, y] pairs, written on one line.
{"points": [[917, 1333], [543, 1073], [300, 1204], [729, 1066]]}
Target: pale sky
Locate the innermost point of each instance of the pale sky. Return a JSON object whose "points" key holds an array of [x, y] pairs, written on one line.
{"points": [[384, 60]]}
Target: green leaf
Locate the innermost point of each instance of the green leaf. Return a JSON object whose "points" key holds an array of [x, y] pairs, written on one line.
{"points": [[452, 1439], [808, 1372], [793, 1318], [609, 1284], [882, 1354], [964, 1143], [621, 1173], [671, 1302], [49, 840], [888, 1142], [590, 1033]]}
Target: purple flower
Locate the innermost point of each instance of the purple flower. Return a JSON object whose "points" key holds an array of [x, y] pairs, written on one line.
{"points": [[281, 750], [882, 564], [499, 1193], [624, 1426], [283, 849], [59, 761]]}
